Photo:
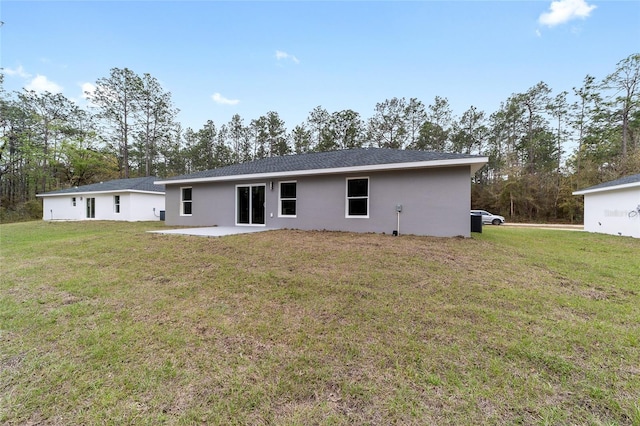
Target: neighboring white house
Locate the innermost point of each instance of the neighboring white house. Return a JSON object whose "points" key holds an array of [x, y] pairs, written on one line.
{"points": [[137, 199], [613, 207], [357, 190]]}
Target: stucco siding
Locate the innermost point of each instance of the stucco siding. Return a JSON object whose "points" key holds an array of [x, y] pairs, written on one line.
{"points": [[213, 205], [133, 206], [143, 206], [62, 208], [434, 202], [608, 212]]}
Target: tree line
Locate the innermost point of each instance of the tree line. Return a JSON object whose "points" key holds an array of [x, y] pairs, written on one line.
{"points": [[541, 145]]}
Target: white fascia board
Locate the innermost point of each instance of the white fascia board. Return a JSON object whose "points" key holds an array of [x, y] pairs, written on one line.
{"points": [[120, 191], [475, 164], [137, 191], [607, 188]]}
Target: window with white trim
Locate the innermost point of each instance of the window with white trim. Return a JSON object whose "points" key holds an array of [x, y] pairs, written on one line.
{"points": [[357, 204], [116, 203], [73, 201], [186, 201], [288, 199]]}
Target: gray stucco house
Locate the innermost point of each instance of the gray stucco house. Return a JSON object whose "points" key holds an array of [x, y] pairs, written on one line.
{"points": [[359, 190]]}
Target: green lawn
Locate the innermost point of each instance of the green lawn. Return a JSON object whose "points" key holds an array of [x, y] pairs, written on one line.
{"points": [[104, 323]]}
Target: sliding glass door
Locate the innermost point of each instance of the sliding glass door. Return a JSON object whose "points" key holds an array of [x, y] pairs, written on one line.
{"points": [[91, 208], [250, 204]]}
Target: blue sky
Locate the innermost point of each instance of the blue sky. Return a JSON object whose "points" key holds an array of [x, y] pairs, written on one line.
{"points": [[221, 58]]}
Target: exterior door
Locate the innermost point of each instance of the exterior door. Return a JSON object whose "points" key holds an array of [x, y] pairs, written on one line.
{"points": [[250, 205], [91, 208], [257, 204]]}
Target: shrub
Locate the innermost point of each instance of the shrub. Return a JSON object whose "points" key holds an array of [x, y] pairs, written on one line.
{"points": [[30, 210]]}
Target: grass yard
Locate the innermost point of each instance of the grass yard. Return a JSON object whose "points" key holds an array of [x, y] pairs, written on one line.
{"points": [[103, 323]]}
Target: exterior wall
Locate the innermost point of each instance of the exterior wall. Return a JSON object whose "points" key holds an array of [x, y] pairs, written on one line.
{"points": [[213, 205], [133, 206], [61, 208], [607, 212], [434, 202], [140, 206]]}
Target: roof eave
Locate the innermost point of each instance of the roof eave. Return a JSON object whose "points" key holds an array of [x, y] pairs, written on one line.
{"points": [[607, 188], [60, 194], [475, 164]]}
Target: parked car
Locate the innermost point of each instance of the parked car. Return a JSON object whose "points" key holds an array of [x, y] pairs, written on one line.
{"points": [[488, 218]]}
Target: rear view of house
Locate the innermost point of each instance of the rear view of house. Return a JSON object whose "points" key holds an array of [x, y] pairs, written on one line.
{"points": [[137, 199], [359, 190], [613, 207]]}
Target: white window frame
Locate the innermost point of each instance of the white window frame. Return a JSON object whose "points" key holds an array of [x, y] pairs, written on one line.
{"points": [[116, 204], [183, 201], [280, 199], [73, 201], [347, 198]]}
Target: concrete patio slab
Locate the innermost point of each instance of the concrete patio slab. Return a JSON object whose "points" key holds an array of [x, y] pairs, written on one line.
{"points": [[559, 226], [214, 231]]}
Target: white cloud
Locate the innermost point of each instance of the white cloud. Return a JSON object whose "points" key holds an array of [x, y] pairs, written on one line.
{"points": [[87, 88], [562, 11], [280, 55], [219, 99], [42, 84], [19, 72]]}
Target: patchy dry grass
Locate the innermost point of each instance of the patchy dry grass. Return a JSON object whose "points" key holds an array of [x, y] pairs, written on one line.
{"points": [[105, 323]]}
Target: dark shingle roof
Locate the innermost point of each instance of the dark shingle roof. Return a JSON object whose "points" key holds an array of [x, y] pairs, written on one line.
{"points": [[622, 181], [326, 160], [135, 184]]}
